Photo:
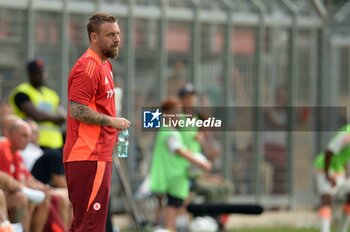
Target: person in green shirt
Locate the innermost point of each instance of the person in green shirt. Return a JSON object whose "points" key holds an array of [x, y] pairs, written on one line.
{"points": [[169, 167], [331, 178]]}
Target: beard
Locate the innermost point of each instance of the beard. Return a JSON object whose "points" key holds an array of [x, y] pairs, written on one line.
{"points": [[111, 52]]}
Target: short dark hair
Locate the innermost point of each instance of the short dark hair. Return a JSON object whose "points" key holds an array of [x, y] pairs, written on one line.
{"points": [[35, 65], [96, 20]]}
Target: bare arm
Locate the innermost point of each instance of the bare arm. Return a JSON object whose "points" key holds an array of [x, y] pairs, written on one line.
{"points": [[8, 183], [327, 161], [33, 183], [175, 146], [205, 165], [85, 114], [38, 115]]}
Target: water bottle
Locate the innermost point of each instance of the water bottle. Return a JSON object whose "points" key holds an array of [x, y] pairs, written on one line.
{"points": [[123, 143]]}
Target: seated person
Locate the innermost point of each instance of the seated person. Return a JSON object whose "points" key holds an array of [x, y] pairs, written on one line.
{"points": [[20, 209], [11, 163], [5, 122], [32, 152], [212, 186], [46, 166]]}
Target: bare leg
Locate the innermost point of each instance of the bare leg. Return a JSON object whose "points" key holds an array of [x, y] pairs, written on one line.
{"points": [[325, 212], [40, 216], [59, 181], [345, 221], [3, 207], [19, 209], [159, 210], [170, 214], [64, 206]]}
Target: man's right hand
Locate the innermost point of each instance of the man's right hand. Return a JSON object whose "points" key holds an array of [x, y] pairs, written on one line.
{"points": [[120, 123]]}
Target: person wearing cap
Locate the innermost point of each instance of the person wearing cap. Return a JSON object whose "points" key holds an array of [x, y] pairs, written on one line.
{"points": [[187, 95], [188, 98], [35, 100], [213, 187]]}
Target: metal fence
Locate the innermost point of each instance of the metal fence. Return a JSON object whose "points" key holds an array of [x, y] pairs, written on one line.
{"points": [[236, 52]]}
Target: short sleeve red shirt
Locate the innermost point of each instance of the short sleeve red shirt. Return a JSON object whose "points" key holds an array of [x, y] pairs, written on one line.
{"points": [[12, 163], [90, 83]]}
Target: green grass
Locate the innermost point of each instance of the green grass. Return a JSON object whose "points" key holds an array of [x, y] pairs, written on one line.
{"points": [[281, 229]]}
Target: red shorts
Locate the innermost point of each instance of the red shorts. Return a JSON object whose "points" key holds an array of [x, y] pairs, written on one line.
{"points": [[88, 188]]}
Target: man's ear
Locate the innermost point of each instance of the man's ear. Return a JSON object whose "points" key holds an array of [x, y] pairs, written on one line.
{"points": [[93, 37]]}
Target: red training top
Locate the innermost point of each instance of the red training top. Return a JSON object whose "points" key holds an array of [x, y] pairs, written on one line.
{"points": [[90, 83], [12, 163]]}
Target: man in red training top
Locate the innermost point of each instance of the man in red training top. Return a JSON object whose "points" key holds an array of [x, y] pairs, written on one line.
{"points": [[92, 126]]}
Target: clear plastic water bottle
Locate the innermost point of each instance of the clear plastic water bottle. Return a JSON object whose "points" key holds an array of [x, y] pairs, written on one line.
{"points": [[123, 143]]}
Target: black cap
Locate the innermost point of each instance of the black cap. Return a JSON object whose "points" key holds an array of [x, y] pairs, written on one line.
{"points": [[35, 65], [186, 90]]}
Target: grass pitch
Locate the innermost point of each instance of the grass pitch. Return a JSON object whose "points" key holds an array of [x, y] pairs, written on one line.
{"points": [[281, 229]]}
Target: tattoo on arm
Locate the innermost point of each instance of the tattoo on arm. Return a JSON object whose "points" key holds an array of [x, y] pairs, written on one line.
{"points": [[85, 114]]}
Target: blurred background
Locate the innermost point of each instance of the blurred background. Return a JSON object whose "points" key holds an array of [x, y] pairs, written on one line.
{"points": [[237, 53]]}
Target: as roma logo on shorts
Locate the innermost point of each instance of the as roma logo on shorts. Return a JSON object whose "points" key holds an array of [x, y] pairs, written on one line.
{"points": [[97, 206]]}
